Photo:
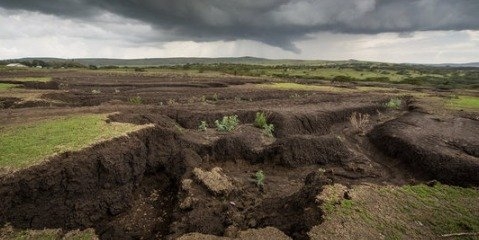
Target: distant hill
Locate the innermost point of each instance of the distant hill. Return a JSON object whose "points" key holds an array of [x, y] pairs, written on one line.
{"points": [[474, 64], [152, 62], [176, 61]]}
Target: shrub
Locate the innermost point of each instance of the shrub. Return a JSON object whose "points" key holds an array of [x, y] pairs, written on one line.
{"points": [[268, 130], [95, 91], [259, 176], [215, 97], [261, 122], [227, 124], [394, 103], [136, 100], [203, 126], [359, 121]]}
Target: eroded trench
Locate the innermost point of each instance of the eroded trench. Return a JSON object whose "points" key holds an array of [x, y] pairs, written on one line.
{"points": [[135, 187]]}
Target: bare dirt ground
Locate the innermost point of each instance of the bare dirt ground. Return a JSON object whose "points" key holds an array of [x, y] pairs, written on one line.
{"points": [[147, 186]]}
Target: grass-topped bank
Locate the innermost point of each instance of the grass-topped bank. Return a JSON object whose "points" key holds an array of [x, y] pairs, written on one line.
{"points": [[8, 232], [464, 102], [6, 86], [31, 79], [408, 212], [29, 144]]}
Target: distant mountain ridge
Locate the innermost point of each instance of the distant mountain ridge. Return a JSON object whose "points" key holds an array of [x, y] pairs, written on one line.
{"points": [[173, 61], [145, 62], [473, 64]]}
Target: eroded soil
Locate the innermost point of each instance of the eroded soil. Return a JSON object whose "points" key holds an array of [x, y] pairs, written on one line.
{"points": [[144, 186]]}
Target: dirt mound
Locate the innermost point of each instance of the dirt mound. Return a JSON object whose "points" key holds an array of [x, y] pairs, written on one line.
{"points": [[446, 149], [7, 102], [314, 120], [304, 150], [216, 182]]}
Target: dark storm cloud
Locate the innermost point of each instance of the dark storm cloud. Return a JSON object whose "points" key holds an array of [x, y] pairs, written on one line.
{"points": [[275, 22]]}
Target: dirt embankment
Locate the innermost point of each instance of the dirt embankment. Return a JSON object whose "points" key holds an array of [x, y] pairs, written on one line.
{"points": [[90, 187], [445, 149], [132, 186]]}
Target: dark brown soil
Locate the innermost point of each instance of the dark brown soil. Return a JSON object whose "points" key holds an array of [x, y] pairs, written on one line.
{"points": [[143, 187], [446, 149]]}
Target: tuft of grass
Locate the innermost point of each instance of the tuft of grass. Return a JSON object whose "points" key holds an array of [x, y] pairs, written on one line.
{"points": [[6, 86], [359, 121], [227, 123], [394, 103], [464, 102], [135, 100], [203, 126], [259, 177], [25, 145], [261, 122]]}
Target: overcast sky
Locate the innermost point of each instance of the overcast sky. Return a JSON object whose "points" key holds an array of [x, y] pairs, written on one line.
{"points": [[418, 31]]}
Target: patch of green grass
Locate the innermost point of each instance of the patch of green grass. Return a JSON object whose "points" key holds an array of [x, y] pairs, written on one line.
{"points": [[408, 212], [6, 86], [302, 87], [28, 144], [8, 232], [394, 103], [32, 79], [464, 102]]}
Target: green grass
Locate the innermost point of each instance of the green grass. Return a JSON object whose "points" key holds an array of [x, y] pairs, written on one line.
{"points": [[32, 79], [322, 88], [302, 87], [464, 102], [8, 232], [6, 86], [25, 145], [408, 212]]}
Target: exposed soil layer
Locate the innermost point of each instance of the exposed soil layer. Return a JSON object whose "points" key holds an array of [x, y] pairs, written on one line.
{"points": [[147, 185], [446, 149]]}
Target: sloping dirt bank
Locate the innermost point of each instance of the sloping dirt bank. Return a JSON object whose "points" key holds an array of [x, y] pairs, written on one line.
{"points": [[144, 185], [90, 187], [445, 149]]}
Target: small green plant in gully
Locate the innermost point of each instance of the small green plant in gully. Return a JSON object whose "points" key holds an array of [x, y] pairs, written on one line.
{"points": [[227, 124], [259, 177], [268, 130], [136, 100], [261, 122], [203, 126], [394, 103], [216, 97]]}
